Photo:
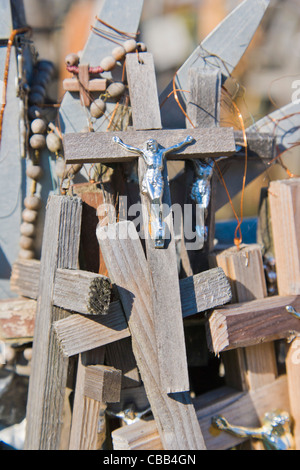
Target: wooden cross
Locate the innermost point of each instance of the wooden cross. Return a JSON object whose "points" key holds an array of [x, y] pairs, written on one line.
{"points": [[60, 332], [100, 147], [84, 84]]}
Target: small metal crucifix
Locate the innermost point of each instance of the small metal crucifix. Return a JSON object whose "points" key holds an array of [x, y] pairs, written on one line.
{"points": [[153, 180]]}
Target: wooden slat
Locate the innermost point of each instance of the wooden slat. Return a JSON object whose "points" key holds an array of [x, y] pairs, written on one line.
{"points": [[284, 198], [143, 91], [17, 318], [92, 147], [75, 290], [165, 293], [88, 417], [49, 366], [125, 260], [102, 383], [250, 323], [240, 408], [77, 333]]}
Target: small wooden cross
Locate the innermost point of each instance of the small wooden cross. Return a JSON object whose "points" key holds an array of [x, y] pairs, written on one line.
{"points": [[84, 85]]}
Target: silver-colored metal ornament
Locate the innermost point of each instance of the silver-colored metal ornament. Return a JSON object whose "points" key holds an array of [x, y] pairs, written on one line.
{"points": [[275, 432], [201, 194], [153, 181]]}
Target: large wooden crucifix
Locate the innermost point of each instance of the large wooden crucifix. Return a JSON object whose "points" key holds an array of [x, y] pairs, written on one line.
{"points": [[101, 147]]}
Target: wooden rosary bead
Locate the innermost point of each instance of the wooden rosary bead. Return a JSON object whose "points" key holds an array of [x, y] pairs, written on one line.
{"points": [[72, 59], [116, 89], [29, 215], [141, 47], [118, 53], [27, 229], [53, 142], [38, 126], [130, 45], [26, 254], [27, 353], [73, 169], [32, 202], [34, 172], [26, 243], [60, 168], [97, 108], [108, 63], [37, 141]]}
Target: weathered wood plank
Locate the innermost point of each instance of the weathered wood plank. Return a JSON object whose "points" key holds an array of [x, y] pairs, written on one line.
{"points": [[49, 366], [203, 107], [77, 333], [243, 408], [165, 293], [252, 367], [92, 147], [249, 323], [17, 318], [143, 91], [88, 417], [284, 199], [201, 292], [102, 383], [78, 291], [125, 260]]}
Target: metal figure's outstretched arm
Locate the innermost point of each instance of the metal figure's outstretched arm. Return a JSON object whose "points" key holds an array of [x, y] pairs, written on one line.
{"points": [[179, 146], [117, 140], [221, 423]]}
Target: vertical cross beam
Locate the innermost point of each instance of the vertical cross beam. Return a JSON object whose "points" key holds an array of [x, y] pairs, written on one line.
{"points": [[284, 197], [49, 367], [162, 264]]}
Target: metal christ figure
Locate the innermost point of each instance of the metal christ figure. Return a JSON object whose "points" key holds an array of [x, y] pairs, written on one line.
{"points": [[275, 432], [153, 181], [201, 193]]}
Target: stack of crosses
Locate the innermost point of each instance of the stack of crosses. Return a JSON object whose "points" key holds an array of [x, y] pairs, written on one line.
{"points": [[123, 326]]}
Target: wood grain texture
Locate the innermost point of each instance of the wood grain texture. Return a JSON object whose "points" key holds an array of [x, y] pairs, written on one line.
{"points": [[17, 318], [75, 290], [77, 333], [143, 91], [249, 323], [165, 293], [88, 417], [102, 383], [284, 197], [49, 366], [241, 408], [125, 259], [92, 147], [97, 84], [203, 107]]}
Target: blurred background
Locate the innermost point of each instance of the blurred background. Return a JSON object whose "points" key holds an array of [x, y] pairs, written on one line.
{"points": [[172, 29]]}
